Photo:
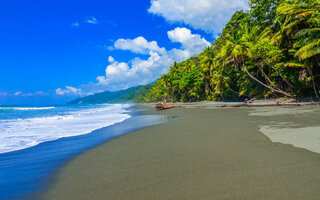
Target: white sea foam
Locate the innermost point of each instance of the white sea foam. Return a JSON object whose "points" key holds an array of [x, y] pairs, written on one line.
{"points": [[26, 108], [16, 134]]}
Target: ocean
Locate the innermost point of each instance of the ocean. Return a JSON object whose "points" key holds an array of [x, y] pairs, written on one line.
{"points": [[36, 140], [23, 127]]}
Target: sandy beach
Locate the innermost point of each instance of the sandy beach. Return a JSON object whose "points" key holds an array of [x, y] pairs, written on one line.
{"points": [[216, 153]]}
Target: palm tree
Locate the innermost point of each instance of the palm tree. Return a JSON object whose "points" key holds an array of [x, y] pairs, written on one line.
{"points": [[237, 48], [308, 47], [308, 44], [207, 64], [174, 70], [165, 83], [207, 61], [302, 21]]}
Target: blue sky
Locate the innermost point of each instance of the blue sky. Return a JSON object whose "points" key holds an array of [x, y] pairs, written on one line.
{"points": [[54, 51]]}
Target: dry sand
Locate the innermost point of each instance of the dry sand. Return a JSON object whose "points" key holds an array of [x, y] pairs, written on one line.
{"points": [[206, 154]]}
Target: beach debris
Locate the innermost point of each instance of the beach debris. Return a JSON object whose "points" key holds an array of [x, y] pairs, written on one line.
{"points": [[250, 100], [162, 106], [286, 100], [275, 102], [258, 105]]}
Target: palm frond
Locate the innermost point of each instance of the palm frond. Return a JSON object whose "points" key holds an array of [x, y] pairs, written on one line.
{"points": [[308, 50], [302, 33], [294, 65]]}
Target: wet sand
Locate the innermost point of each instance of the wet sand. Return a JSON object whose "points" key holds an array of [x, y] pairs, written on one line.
{"points": [[299, 126], [215, 153]]}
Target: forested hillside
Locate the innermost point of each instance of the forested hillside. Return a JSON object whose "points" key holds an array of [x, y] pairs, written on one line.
{"points": [[131, 95], [272, 50]]}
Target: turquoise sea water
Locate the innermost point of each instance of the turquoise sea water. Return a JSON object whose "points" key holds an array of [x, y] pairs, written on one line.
{"points": [[35, 141]]}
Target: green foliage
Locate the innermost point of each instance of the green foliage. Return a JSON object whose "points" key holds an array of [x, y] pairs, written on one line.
{"points": [[184, 83], [271, 50]]}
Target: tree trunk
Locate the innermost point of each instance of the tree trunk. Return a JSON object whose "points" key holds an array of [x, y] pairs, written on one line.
{"points": [[317, 61], [207, 90], [235, 64], [266, 77], [285, 80], [313, 83], [269, 81], [272, 89]]}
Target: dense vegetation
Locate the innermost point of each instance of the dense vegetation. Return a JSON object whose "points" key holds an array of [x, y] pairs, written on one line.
{"points": [[272, 50], [133, 95]]}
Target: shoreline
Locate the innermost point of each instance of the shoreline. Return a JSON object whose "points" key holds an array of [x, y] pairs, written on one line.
{"points": [[206, 154], [31, 170]]}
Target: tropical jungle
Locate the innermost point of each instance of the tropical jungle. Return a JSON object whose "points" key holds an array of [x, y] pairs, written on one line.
{"points": [[270, 51]]}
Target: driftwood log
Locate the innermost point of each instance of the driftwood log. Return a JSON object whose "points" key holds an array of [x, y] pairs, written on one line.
{"points": [[161, 106], [257, 105]]}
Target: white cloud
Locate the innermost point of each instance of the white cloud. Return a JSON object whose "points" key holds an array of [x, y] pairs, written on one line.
{"points": [[121, 75], [110, 59], [180, 35], [72, 89], [75, 24], [208, 15], [69, 91], [27, 94], [40, 93], [138, 45], [189, 41], [91, 20], [59, 91]]}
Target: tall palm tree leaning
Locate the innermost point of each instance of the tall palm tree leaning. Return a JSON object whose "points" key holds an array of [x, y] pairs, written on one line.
{"points": [[302, 21], [236, 49]]}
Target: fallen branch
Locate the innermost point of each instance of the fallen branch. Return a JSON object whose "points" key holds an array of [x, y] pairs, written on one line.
{"points": [[160, 106]]}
